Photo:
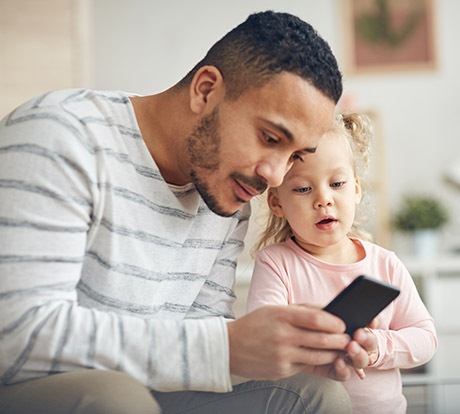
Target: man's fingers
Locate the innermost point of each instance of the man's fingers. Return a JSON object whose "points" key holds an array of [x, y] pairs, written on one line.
{"points": [[314, 318], [308, 356], [277, 341], [320, 340], [338, 370]]}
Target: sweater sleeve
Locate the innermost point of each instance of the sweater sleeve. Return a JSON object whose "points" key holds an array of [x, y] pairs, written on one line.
{"points": [[410, 340], [47, 192]]}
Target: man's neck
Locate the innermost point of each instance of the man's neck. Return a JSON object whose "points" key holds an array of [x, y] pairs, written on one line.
{"points": [[164, 121]]}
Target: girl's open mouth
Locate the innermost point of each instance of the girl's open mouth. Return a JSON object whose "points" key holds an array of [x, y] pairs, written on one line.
{"points": [[326, 223]]}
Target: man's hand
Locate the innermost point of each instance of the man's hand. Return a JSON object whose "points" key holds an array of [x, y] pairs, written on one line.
{"points": [[279, 341], [362, 352]]}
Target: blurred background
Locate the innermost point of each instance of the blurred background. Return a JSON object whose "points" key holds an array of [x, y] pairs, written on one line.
{"points": [[401, 65]]}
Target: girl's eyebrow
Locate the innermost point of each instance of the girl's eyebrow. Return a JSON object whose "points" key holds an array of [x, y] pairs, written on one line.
{"points": [[288, 134]]}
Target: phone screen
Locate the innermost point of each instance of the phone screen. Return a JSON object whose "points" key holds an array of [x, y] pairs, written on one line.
{"points": [[362, 301]]}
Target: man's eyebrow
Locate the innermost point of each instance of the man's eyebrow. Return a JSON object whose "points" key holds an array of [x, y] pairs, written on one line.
{"points": [[288, 134], [282, 128]]}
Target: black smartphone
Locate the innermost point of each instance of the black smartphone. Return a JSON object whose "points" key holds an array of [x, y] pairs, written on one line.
{"points": [[361, 301]]}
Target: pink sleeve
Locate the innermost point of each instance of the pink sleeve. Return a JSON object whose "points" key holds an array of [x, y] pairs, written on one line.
{"points": [[410, 340], [267, 284]]}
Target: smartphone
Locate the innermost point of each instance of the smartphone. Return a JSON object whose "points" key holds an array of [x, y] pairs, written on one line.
{"points": [[362, 301]]}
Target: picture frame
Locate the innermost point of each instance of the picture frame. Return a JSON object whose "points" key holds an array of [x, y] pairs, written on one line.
{"points": [[388, 35]]}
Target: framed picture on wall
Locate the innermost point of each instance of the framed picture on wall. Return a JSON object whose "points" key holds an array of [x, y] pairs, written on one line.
{"points": [[389, 35]]}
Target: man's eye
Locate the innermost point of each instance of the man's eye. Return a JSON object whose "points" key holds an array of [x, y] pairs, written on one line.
{"points": [[269, 139], [338, 184], [296, 156]]}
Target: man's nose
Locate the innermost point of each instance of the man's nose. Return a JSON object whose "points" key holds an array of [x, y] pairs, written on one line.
{"points": [[273, 170]]}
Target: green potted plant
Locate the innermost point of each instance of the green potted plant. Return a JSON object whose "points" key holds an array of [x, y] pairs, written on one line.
{"points": [[422, 216]]}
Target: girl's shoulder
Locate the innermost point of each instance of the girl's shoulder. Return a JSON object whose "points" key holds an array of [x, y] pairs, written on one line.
{"points": [[373, 248], [375, 252], [275, 249]]}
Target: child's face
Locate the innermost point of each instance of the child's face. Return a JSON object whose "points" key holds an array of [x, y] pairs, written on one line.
{"points": [[318, 197]]}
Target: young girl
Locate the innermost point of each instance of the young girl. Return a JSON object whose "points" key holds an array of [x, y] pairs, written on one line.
{"points": [[318, 251]]}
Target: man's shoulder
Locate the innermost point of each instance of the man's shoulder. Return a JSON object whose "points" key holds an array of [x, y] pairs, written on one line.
{"points": [[70, 124], [69, 101]]}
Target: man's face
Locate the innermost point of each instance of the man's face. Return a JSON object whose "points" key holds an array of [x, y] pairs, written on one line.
{"points": [[204, 150], [250, 143]]}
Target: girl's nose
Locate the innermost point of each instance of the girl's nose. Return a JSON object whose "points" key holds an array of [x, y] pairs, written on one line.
{"points": [[323, 199]]}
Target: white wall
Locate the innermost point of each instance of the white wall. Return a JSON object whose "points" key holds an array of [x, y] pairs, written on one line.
{"points": [[42, 47], [420, 113], [145, 46]]}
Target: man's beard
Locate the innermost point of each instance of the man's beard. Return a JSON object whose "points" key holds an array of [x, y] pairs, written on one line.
{"points": [[203, 148]]}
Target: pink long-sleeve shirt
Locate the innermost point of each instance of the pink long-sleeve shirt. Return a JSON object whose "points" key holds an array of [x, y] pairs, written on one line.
{"points": [[284, 274]]}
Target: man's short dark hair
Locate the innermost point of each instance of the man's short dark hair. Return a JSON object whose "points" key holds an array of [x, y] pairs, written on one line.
{"points": [[267, 44]]}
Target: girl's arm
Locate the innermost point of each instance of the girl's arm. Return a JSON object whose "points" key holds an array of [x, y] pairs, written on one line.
{"points": [[410, 339]]}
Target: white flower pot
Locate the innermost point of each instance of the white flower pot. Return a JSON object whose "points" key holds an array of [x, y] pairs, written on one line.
{"points": [[426, 243]]}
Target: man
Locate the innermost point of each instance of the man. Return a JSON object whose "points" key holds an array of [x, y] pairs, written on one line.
{"points": [[121, 220]]}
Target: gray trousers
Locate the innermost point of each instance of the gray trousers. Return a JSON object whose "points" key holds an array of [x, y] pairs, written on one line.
{"points": [[110, 392]]}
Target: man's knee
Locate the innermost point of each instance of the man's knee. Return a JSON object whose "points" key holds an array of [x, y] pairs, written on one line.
{"points": [[115, 393], [80, 392], [318, 395]]}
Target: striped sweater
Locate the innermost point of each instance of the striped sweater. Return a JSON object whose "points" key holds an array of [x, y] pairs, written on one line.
{"points": [[103, 264]]}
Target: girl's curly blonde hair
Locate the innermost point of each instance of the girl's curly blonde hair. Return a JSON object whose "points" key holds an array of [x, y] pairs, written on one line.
{"points": [[356, 128]]}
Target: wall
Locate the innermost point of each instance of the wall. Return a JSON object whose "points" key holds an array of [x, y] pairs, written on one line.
{"points": [[42, 47], [419, 111], [145, 46]]}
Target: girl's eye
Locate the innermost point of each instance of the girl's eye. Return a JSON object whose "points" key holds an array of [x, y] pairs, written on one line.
{"points": [[302, 189], [338, 184], [269, 139]]}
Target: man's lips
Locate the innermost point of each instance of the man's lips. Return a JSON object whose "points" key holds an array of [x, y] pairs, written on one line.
{"points": [[252, 192], [247, 187], [245, 192]]}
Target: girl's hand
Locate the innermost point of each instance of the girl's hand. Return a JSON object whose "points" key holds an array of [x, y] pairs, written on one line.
{"points": [[372, 349], [373, 352], [363, 340]]}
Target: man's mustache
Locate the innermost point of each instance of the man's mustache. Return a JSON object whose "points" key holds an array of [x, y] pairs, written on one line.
{"points": [[254, 182]]}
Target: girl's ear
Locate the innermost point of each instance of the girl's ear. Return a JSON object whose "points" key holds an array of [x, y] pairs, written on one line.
{"points": [[358, 194], [207, 89], [274, 203]]}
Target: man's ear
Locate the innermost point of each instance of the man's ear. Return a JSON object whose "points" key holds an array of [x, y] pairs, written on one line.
{"points": [[207, 89], [274, 203]]}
